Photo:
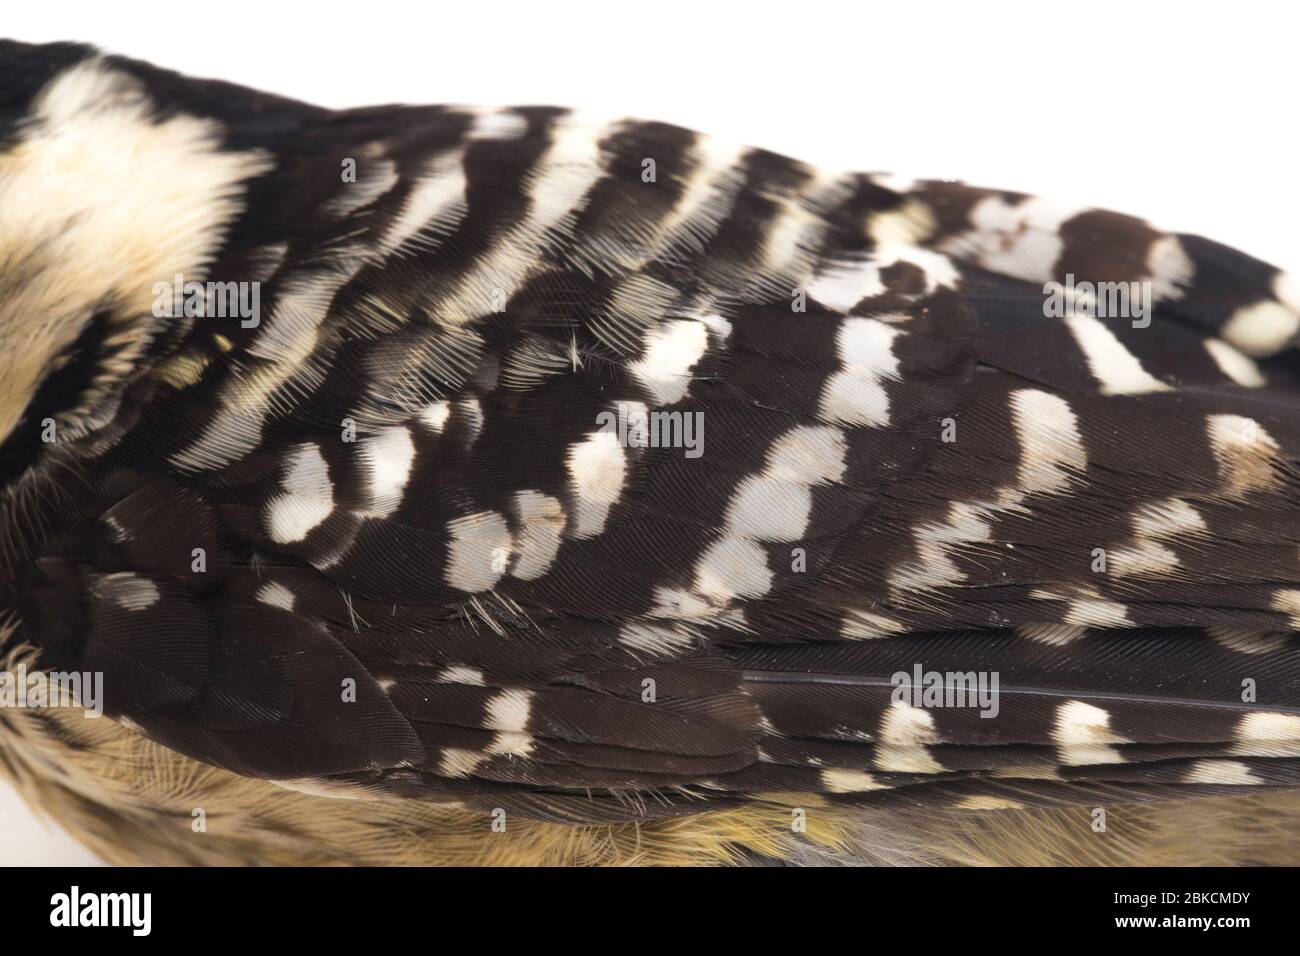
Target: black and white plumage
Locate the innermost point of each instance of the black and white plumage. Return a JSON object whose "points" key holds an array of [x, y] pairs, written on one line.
{"points": [[399, 482]]}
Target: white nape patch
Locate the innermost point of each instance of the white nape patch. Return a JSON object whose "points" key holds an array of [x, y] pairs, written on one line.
{"points": [[509, 711], [597, 470], [1116, 369], [658, 639], [454, 762], [378, 176], [436, 415], [461, 674], [101, 197], [986, 801], [1287, 602], [1019, 239], [434, 206], [387, 457], [671, 351], [808, 454], [1083, 734], [1249, 641], [539, 520], [276, 595], [1056, 635], [308, 497], [128, 590], [1262, 329], [732, 567], [835, 780], [1240, 368], [855, 395], [1231, 772], [769, 509], [1170, 269], [497, 124], [1245, 452], [478, 551], [1051, 449], [904, 732]]}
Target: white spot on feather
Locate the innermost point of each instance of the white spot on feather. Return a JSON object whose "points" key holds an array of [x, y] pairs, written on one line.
{"points": [[454, 762], [671, 351], [461, 674], [1235, 365], [509, 710], [1051, 449], [732, 567], [434, 205], [836, 780], [597, 468], [276, 595], [769, 509], [129, 591], [1230, 772], [387, 457], [1268, 725], [1083, 732], [1246, 454], [904, 732], [540, 521], [308, 497], [477, 548], [1116, 369], [1261, 329]]}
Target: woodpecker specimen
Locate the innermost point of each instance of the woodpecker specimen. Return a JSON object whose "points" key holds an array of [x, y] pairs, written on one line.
{"points": [[452, 485]]}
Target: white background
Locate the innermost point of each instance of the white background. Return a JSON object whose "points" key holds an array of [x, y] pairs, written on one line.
{"points": [[1183, 113]]}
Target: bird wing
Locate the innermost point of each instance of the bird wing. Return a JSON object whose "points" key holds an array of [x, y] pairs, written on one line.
{"points": [[604, 470]]}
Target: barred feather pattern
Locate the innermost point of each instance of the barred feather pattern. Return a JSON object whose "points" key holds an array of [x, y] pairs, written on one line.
{"points": [[402, 483]]}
